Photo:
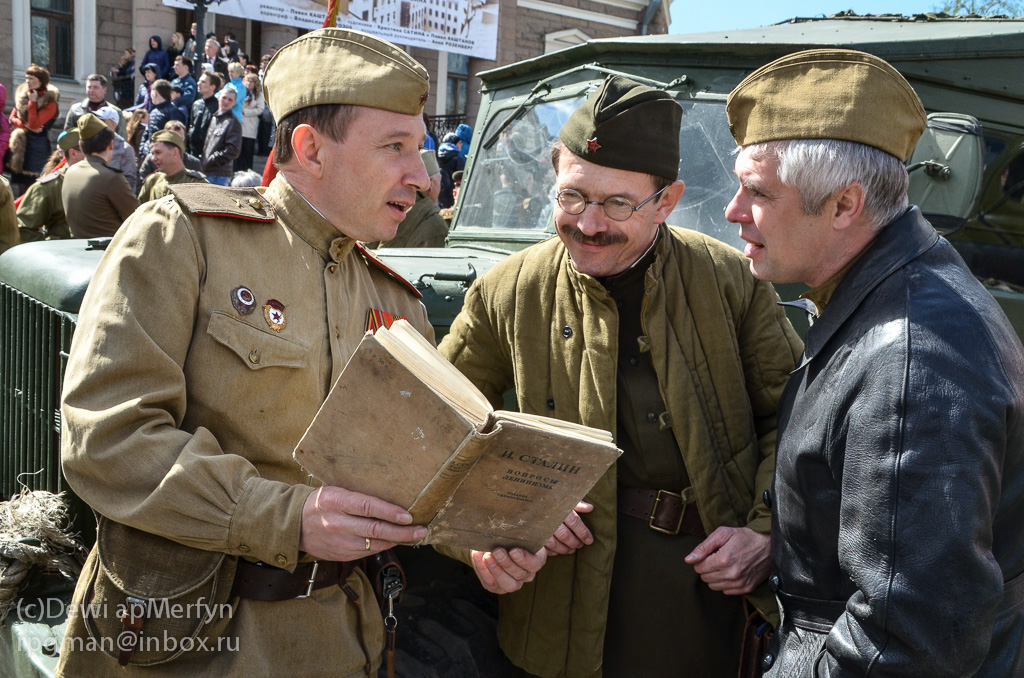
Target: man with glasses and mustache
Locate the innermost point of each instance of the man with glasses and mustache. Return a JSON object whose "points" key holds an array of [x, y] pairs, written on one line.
{"points": [[662, 336]]}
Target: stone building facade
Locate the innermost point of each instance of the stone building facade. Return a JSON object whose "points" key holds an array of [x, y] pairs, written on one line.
{"points": [[88, 36]]}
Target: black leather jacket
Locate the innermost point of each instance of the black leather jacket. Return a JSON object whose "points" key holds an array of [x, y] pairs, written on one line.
{"points": [[898, 526]]}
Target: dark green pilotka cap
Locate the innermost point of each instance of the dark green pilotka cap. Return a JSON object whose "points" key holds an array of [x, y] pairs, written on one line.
{"points": [[628, 126]]}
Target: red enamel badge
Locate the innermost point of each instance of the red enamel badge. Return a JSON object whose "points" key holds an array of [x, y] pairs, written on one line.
{"points": [[592, 145], [273, 311], [243, 300]]}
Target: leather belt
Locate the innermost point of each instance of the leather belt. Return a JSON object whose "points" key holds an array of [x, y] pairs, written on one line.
{"points": [[810, 613], [664, 511], [259, 581]]}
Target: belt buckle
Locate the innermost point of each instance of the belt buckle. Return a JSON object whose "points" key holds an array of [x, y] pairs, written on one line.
{"points": [[312, 581], [654, 511]]}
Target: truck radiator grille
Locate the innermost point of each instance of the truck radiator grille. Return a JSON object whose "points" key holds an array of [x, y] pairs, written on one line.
{"points": [[34, 343]]}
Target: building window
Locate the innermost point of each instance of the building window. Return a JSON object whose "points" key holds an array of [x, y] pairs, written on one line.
{"points": [[458, 84], [53, 36]]}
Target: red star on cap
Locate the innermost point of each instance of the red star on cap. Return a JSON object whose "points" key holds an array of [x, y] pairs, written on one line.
{"points": [[592, 145]]}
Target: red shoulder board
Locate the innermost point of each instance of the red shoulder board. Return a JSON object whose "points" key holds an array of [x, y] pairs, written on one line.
{"points": [[373, 260]]}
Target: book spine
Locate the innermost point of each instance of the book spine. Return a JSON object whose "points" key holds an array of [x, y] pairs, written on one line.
{"points": [[446, 481]]}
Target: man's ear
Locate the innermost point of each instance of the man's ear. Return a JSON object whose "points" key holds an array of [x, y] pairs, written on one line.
{"points": [[848, 205], [668, 200], [307, 144]]}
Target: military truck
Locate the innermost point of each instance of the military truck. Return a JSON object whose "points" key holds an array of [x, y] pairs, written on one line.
{"points": [[967, 174]]}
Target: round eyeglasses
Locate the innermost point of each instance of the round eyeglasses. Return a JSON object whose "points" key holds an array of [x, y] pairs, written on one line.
{"points": [[616, 207]]}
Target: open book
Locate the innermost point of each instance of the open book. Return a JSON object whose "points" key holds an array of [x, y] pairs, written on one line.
{"points": [[401, 423]]}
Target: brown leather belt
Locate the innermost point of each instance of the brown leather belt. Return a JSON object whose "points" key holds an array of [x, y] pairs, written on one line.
{"points": [[664, 511], [259, 581]]}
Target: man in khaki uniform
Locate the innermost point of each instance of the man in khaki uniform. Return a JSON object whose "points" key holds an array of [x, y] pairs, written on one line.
{"points": [[663, 337], [41, 212], [96, 198], [208, 339], [423, 225], [167, 151], [8, 218]]}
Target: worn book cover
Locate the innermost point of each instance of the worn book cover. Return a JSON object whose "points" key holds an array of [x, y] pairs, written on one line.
{"points": [[404, 425]]}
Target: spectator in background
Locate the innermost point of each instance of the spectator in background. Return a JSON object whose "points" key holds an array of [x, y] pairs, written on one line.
{"points": [[123, 159], [158, 55], [191, 48], [243, 59], [5, 127], [122, 78], [245, 179], [450, 162], [35, 109], [189, 161], [168, 157], [212, 60], [41, 210], [95, 99], [252, 108], [430, 143], [96, 198], [176, 47], [183, 69], [150, 75], [163, 110], [203, 110], [235, 74], [230, 48], [136, 128], [223, 140], [465, 133]]}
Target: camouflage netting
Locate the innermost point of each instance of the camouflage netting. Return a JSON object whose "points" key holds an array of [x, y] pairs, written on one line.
{"points": [[34, 536]]}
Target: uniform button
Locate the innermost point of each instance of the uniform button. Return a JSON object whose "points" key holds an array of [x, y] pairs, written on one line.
{"points": [[767, 662], [551, 403], [566, 331], [767, 498], [243, 548], [254, 356], [633, 361], [773, 583], [652, 417], [281, 560], [332, 268]]}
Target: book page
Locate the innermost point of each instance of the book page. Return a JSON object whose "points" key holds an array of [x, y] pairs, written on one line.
{"points": [[409, 346], [548, 423]]}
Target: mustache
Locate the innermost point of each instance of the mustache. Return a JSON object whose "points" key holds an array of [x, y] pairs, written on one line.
{"points": [[599, 238]]}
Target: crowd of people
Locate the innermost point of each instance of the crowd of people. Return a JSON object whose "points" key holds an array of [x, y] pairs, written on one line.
{"points": [[208, 93], [184, 90]]}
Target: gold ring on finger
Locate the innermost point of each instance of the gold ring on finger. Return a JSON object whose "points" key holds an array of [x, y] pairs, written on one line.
{"points": [[367, 543]]}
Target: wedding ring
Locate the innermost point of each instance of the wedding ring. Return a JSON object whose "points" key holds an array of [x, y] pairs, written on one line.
{"points": [[367, 543]]}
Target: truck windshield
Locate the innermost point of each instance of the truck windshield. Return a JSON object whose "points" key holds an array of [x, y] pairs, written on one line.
{"points": [[512, 185]]}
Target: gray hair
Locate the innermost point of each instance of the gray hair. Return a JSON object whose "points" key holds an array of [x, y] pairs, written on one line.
{"points": [[818, 168], [245, 179]]}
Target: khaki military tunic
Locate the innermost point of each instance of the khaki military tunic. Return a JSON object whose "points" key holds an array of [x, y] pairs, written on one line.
{"points": [[722, 350], [8, 217], [41, 212], [422, 226], [205, 346], [158, 184], [96, 199]]}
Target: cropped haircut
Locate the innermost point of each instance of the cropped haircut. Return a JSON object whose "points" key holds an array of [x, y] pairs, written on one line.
{"points": [[819, 168], [331, 120], [97, 77], [215, 80], [162, 87], [557, 147], [98, 143]]}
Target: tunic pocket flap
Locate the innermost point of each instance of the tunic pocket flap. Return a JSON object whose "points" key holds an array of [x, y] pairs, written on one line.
{"points": [[253, 346]]}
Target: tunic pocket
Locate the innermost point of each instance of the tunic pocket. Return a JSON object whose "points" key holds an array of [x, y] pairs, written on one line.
{"points": [[254, 347]]}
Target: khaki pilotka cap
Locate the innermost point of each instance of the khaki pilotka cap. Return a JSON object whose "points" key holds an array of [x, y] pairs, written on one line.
{"points": [[430, 161], [628, 126], [89, 126], [828, 94], [169, 137], [68, 139], [340, 66]]}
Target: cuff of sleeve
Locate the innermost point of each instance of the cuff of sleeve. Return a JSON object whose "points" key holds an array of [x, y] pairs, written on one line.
{"points": [[267, 522], [760, 521]]}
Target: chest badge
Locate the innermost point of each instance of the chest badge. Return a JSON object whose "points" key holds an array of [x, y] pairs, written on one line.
{"points": [[243, 300], [273, 311]]}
